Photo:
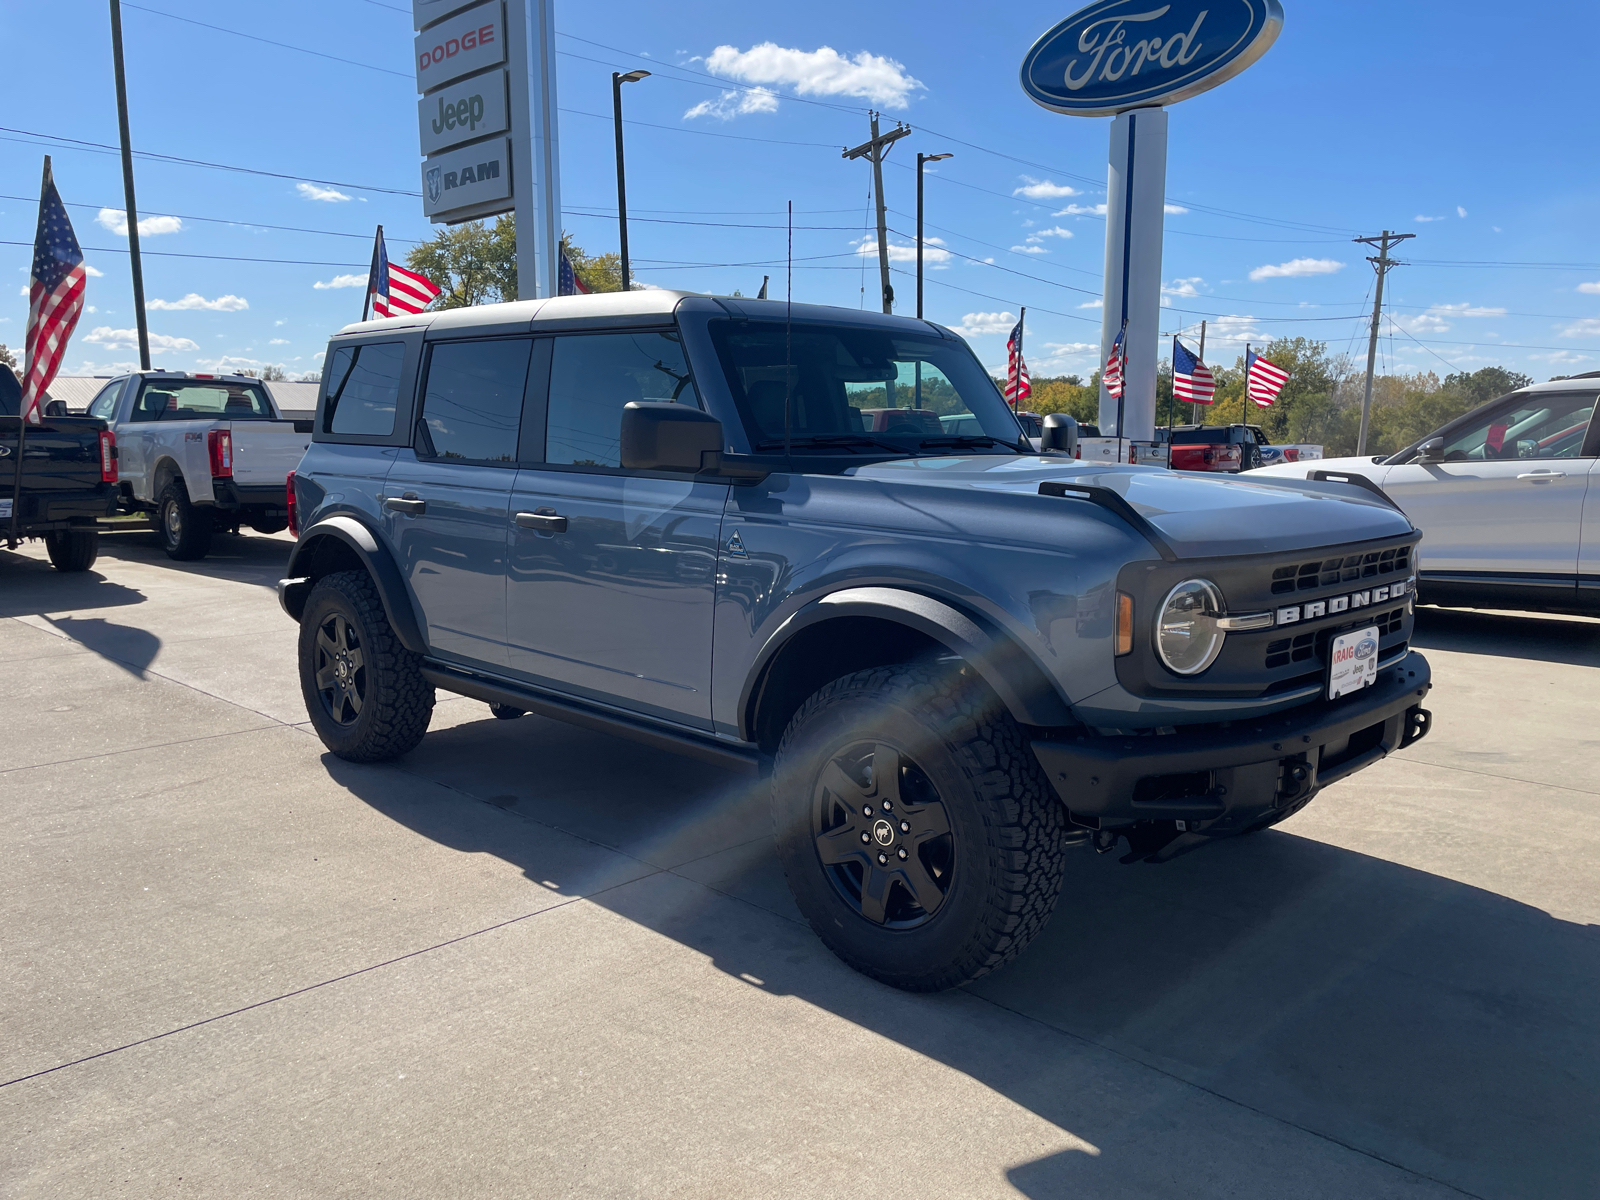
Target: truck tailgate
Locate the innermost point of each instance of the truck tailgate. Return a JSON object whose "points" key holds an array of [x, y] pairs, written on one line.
{"points": [[264, 452]]}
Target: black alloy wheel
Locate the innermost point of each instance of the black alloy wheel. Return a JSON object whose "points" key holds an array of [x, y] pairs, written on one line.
{"points": [[341, 669], [882, 835]]}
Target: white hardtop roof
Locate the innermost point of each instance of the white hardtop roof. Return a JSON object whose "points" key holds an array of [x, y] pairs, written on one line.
{"points": [[646, 303]]}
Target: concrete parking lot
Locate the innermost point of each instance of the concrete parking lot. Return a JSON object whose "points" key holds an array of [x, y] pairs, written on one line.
{"points": [[531, 960]]}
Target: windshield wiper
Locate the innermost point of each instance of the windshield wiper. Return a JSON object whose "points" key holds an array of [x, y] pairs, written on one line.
{"points": [[958, 440], [846, 440]]}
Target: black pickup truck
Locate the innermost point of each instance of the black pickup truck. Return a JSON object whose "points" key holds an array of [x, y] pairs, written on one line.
{"points": [[68, 479]]}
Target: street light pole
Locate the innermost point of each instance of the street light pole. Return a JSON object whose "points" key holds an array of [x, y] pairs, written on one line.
{"points": [[922, 158], [617, 80]]}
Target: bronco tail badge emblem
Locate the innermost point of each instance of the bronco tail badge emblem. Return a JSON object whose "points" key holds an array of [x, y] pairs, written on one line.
{"points": [[736, 546]]}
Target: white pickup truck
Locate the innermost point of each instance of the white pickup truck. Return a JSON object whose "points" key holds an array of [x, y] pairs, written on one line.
{"points": [[201, 454]]}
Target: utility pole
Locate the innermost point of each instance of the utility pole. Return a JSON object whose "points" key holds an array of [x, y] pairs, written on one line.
{"points": [[874, 152], [1381, 265], [127, 188], [921, 159], [617, 80]]}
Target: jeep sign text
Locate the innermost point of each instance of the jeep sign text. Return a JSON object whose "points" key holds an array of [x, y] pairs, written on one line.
{"points": [[462, 112], [463, 44]]}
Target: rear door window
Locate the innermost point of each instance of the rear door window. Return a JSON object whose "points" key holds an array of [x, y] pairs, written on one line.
{"points": [[196, 400], [104, 405], [1539, 425], [472, 401], [594, 375], [363, 389]]}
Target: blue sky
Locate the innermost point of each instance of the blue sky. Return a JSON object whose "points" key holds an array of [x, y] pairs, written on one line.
{"points": [[1450, 121]]}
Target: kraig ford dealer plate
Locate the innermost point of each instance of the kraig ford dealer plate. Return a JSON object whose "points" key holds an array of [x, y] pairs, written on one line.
{"points": [[1353, 662]]}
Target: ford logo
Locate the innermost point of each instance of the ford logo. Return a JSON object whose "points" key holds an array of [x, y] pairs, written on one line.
{"points": [[1121, 54], [1366, 648]]}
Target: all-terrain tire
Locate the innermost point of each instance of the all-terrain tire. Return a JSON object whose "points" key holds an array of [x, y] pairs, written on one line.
{"points": [[377, 707], [72, 549], [955, 747], [185, 531]]}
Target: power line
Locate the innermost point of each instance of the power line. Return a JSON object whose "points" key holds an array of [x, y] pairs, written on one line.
{"points": [[295, 262], [228, 221], [349, 62]]}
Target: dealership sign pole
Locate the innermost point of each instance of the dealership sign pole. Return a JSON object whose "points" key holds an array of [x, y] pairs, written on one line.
{"points": [[487, 125], [1126, 59]]}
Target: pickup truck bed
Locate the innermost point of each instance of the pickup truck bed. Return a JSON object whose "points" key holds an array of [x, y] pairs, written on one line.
{"points": [[68, 480]]}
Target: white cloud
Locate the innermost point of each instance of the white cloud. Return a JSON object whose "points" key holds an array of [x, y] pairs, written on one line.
{"points": [[1496, 228], [1174, 210], [821, 72], [281, 321], [933, 255], [1425, 323], [975, 323], [1588, 327], [278, 342], [107, 368], [1054, 231], [1182, 287], [311, 191], [1424, 220], [979, 262], [128, 339], [1093, 304], [1465, 310], [228, 303], [1043, 189], [1065, 354], [88, 308], [116, 220], [1590, 289], [1295, 268], [1560, 357], [228, 364], [92, 272], [1460, 212], [341, 281], [733, 104], [1081, 210], [23, 290], [1234, 330], [1029, 250]]}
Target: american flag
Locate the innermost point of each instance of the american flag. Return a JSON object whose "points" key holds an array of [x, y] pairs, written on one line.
{"points": [[1018, 386], [1192, 380], [1116, 366], [568, 281], [55, 297], [394, 289], [1265, 380]]}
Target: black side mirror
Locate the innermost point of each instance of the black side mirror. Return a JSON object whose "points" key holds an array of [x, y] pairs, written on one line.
{"points": [[1060, 433], [55, 408], [669, 437], [1431, 451]]}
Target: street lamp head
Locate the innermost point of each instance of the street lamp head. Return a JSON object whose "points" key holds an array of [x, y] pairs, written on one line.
{"points": [[937, 157], [632, 76]]}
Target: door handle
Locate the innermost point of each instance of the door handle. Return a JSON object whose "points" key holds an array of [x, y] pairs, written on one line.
{"points": [[1541, 476], [408, 504], [544, 522]]}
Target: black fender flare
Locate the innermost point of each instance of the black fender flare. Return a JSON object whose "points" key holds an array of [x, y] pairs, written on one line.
{"points": [[1022, 685], [354, 535]]}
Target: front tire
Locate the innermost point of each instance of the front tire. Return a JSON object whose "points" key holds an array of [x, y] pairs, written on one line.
{"points": [[363, 690], [917, 831], [72, 549], [185, 532]]}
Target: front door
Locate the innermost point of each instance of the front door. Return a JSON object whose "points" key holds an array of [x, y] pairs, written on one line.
{"points": [[1508, 498], [612, 575], [447, 499]]}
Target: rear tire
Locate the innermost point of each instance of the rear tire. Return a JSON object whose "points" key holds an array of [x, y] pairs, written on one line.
{"points": [[940, 873], [72, 549], [185, 532], [363, 690]]}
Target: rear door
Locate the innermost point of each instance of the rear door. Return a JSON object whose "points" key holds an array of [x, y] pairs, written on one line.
{"points": [[612, 573], [447, 498], [1507, 502]]}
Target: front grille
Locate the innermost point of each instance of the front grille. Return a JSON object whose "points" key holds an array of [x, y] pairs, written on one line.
{"points": [[1303, 647], [1345, 569]]}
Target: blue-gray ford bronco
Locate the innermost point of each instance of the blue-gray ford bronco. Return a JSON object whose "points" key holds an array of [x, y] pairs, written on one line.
{"points": [[814, 544]]}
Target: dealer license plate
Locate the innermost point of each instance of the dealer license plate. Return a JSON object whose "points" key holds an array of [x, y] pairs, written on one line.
{"points": [[1353, 662]]}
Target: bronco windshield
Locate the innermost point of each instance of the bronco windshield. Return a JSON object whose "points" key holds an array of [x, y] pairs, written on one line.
{"points": [[848, 389]]}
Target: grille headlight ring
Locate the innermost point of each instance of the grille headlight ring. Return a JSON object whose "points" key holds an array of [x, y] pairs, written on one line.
{"points": [[1187, 636]]}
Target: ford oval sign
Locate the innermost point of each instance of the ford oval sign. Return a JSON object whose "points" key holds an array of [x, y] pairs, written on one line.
{"points": [[1122, 54]]}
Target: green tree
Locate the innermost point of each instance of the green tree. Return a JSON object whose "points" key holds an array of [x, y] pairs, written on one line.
{"points": [[7, 357], [1065, 394], [271, 373], [475, 263]]}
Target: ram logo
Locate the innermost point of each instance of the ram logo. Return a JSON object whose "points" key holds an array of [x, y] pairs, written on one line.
{"points": [[432, 180]]}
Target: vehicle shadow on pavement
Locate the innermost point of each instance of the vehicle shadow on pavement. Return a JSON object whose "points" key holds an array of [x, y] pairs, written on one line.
{"points": [[1425, 1023], [247, 558], [1538, 638], [31, 586]]}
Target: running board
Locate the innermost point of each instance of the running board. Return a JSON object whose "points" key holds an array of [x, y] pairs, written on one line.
{"points": [[452, 679]]}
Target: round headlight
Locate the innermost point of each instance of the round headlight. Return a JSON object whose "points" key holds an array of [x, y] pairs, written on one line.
{"points": [[1187, 636]]}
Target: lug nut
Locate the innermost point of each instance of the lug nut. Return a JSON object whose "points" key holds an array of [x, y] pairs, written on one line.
{"points": [[887, 806], [866, 837], [901, 852], [867, 811], [883, 860], [905, 826]]}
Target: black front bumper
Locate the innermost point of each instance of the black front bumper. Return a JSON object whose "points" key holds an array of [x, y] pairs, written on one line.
{"points": [[1225, 779]]}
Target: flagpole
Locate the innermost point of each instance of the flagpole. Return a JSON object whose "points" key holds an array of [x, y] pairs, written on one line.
{"points": [[372, 274], [1194, 409], [1244, 396], [135, 260], [1016, 395]]}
